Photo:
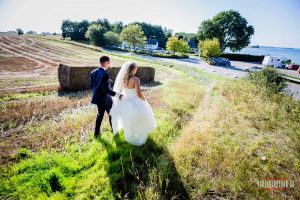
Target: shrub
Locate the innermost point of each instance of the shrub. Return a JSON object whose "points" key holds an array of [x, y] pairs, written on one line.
{"points": [[175, 45], [112, 39], [269, 79], [243, 57], [172, 44], [161, 55], [209, 48]]}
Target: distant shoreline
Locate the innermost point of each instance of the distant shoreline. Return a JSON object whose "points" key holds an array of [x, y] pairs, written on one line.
{"points": [[285, 52], [260, 46]]}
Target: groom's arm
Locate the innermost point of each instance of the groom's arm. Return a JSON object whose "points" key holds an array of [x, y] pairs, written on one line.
{"points": [[105, 87]]}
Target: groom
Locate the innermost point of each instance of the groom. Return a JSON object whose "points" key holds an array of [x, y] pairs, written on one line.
{"points": [[102, 92]]}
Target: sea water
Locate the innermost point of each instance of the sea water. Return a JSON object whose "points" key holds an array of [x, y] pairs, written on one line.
{"points": [[289, 53]]}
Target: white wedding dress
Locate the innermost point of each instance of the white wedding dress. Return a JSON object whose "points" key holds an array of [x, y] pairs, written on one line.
{"points": [[131, 113]]}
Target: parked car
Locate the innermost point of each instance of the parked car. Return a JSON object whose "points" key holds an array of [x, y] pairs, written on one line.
{"points": [[253, 69], [219, 62], [224, 62], [294, 67]]}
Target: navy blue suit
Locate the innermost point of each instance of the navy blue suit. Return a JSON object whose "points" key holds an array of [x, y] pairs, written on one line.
{"points": [[102, 93]]}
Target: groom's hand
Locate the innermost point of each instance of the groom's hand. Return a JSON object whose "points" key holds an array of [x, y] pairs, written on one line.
{"points": [[120, 96]]}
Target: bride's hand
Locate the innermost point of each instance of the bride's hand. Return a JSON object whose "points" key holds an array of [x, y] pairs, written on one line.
{"points": [[142, 98], [120, 96]]}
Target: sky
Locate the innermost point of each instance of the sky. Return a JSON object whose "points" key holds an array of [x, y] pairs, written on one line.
{"points": [[276, 22]]}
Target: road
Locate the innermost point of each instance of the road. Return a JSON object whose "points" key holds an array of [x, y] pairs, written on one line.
{"points": [[236, 69]]}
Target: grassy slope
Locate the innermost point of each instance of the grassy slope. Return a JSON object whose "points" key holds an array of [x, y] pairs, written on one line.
{"points": [[221, 154], [108, 167], [218, 155]]}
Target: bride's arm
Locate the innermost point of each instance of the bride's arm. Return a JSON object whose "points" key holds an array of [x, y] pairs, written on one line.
{"points": [[122, 87], [138, 89]]}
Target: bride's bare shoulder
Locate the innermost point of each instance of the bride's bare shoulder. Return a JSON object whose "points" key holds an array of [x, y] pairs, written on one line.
{"points": [[136, 78]]}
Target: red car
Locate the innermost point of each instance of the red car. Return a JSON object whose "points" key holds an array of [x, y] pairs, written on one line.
{"points": [[294, 67]]}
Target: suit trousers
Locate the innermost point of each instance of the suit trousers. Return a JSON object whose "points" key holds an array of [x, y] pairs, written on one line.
{"points": [[101, 110]]}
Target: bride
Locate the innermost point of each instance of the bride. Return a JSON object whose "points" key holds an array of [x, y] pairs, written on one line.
{"points": [[133, 113]]}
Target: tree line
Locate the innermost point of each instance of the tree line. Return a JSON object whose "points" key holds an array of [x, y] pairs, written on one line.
{"points": [[104, 33], [228, 29]]}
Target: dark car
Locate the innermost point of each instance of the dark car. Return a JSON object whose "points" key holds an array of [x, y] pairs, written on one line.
{"points": [[219, 62], [224, 62]]}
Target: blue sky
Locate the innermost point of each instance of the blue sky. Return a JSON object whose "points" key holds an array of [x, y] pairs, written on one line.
{"points": [[276, 22]]}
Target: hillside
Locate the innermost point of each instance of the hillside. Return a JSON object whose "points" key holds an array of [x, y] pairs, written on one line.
{"points": [[215, 138], [30, 62]]}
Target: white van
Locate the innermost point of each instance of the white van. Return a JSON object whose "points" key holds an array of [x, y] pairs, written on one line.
{"points": [[274, 61]]}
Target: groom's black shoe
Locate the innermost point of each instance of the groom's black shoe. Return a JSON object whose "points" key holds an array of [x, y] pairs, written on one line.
{"points": [[96, 135]]}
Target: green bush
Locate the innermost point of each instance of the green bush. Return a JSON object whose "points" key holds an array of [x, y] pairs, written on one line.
{"points": [[209, 48], [242, 57], [177, 45], [269, 79], [112, 39], [161, 55]]}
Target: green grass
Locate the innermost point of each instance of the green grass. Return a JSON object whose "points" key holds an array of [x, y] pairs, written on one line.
{"points": [[20, 96], [108, 167], [205, 146]]}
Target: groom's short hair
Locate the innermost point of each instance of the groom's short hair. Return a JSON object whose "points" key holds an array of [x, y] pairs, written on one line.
{"points": [[104, 59]]}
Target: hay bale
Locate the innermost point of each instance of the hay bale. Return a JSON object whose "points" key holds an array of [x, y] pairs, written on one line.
{"points": [[78, 77]]}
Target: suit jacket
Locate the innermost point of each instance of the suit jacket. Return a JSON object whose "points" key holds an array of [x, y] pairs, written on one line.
{"points": [[100, 84]]}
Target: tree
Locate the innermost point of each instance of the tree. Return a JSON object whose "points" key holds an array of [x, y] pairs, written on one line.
{"points": [[117, 27], [175, 45], [95, 34], [209, 48], [112, 39], [31, 33], [155, 31], [104, 23], [230, 28], [187, 37], [133, 35], [172, 44], [20, 31], [183, 47], [74, 30]]}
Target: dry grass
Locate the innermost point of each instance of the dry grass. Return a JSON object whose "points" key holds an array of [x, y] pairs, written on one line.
{"points": [[20, 118], [27, 61], [220, 154], [10, 63], [35, 123], [9, 95], [19, 112]]}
